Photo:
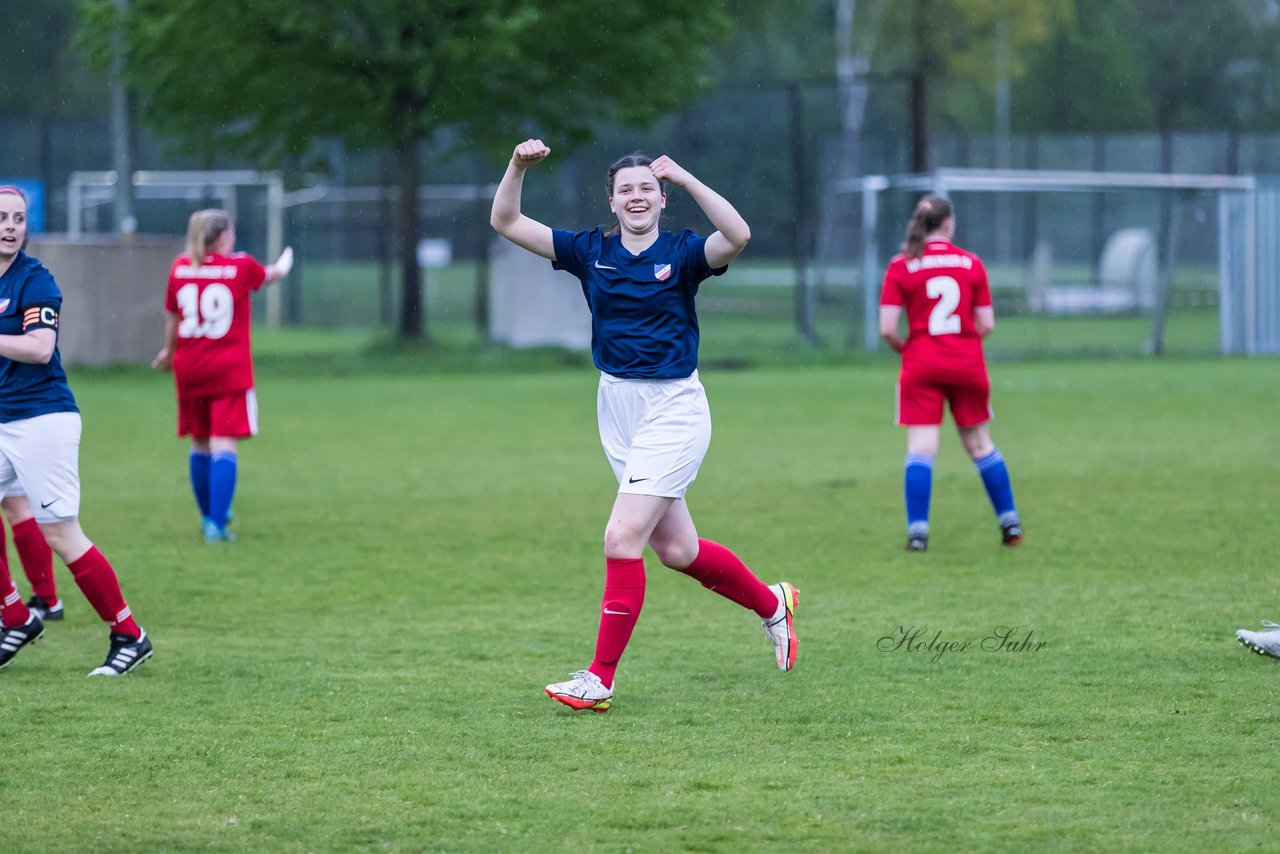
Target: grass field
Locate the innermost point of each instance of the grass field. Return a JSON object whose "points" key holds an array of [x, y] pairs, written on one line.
{"points": [[419, 554], [752, 310]]}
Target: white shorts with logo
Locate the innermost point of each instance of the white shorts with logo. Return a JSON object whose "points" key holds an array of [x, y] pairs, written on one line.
{"points": [[40, 456], [654, 432]]}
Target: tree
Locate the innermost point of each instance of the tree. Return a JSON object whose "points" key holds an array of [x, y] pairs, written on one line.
{"points": [[265, 78], [42, 77], [959, 49]]}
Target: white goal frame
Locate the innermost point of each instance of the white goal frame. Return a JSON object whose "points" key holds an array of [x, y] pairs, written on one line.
{"points": [[1247, 302], [91, 189]]}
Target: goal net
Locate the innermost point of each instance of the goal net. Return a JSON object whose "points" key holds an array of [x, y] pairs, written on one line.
{"points": [[163, 201], [1080, 263]]}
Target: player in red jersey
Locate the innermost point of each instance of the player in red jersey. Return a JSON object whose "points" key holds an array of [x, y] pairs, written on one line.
{"points": [[945, 293], [206, 344]]}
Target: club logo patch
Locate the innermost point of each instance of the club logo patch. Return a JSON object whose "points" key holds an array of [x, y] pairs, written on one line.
{"points": [[662, 272]]}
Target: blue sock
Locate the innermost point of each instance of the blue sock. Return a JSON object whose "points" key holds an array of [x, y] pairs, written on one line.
{"points": [[198, 466], [918, 485], [222, 486], [995, 477]]}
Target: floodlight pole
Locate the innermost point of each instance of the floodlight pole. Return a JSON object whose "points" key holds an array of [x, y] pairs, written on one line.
{"points": [[871, 187], [126, 223]]}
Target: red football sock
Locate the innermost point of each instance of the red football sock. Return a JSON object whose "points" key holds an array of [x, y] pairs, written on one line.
{"points": [[37, 560], [100, 586], [721, 571], [623, 599], [12, 610]]}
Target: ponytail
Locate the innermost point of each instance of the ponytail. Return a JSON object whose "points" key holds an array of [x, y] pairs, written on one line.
{"points": [[203, 230], [930, 214]]}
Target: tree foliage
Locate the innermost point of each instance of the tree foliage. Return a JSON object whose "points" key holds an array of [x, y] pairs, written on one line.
{"points": [[43, 76], [267, 77]]}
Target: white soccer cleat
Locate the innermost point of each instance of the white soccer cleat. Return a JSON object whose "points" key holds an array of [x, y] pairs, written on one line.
{"points": [[782, 628], [583, 691], [1265, 642]]}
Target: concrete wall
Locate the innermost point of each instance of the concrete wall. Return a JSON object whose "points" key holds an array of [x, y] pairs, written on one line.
{"points": [[112, 295], [533, 305]]}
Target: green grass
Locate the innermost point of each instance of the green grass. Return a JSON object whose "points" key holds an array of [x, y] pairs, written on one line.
{"points": [[420, 552], [751, 313]]}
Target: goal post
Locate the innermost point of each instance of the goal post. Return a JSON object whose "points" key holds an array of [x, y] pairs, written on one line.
{"points": [[86, 191]]}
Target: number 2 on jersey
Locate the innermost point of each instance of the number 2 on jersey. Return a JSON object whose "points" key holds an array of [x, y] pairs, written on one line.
{"points": [[207, 313], [943, 320]]}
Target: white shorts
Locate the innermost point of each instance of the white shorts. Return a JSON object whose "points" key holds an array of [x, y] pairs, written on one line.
{"points": [[40, 456], [654, 432]]}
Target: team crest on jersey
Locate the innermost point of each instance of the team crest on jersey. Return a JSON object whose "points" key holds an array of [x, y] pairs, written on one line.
{"points": [[662, 272], [4, 305]]}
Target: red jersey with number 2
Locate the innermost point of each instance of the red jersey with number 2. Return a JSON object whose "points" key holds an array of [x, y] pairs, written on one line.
{"points": [[213, 356], [939, 291]]}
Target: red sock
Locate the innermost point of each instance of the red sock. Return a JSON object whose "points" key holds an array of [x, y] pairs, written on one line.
{"points": [[100, 586], [721, 571], [623, 599], [37, 560], [12, 610]]}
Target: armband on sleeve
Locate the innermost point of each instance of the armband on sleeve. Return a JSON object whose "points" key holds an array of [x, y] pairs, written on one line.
{"points": [[42, 316]]}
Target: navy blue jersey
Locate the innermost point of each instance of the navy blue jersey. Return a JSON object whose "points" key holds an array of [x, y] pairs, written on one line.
{"points": [[30, 299], [643, 323]]}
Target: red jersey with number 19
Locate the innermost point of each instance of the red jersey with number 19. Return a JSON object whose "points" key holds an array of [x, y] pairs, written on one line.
{"points": [[213, 356], [939, 291]]}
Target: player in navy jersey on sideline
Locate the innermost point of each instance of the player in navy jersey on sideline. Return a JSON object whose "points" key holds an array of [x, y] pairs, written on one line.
{"points": [[206, 344], [947, 298], [654, 421], [39, 448]]}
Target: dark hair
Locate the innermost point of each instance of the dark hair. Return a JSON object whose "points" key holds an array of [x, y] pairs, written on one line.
{"points": [[931, 212], [9, 189], [635, 158]]}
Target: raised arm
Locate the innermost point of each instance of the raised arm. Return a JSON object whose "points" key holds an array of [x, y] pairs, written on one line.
{"points": [[732, 231], [506, 218], [281, 267]]}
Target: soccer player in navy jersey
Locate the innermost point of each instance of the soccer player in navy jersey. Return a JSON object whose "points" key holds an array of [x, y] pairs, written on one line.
{"points": [[944, 291], [208, 318], [39, 449], [655, 425]]}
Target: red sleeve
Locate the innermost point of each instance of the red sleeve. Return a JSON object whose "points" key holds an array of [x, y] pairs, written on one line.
{"points": [[171, 292], [252, 273], [981, 288], [891, 290]]}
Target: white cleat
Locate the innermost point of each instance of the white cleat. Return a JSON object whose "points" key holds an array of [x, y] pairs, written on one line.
{"points": [[583, 691], [782, 628], [1265, 642]]}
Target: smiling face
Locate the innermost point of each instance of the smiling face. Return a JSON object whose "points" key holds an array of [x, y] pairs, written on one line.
{"points": [[13, 226], [637, 199]]}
